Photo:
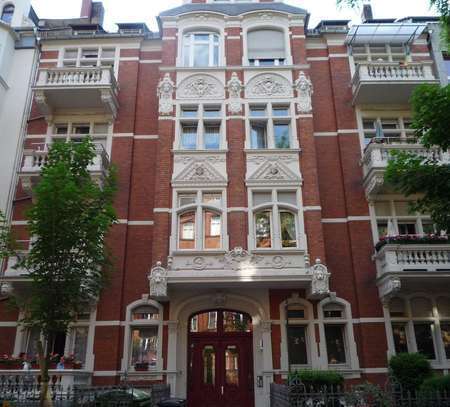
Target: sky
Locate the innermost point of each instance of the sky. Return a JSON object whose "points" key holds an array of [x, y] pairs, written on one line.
{"points": [[146, 10]]}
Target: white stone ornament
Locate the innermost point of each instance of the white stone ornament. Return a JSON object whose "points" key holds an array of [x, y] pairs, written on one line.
{"points": [[269, 85], [158, 282], [201, 87], [235, 88], [305, 90], [320, 284], [165, 94], [239, 259]]}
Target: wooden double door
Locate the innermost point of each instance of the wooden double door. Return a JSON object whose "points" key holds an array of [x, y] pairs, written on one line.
{"points": [[220, 369]]}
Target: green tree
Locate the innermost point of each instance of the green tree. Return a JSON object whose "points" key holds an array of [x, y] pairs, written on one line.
{"points": [[6, 241], [441, 6], [427, 177], [69, 221]]}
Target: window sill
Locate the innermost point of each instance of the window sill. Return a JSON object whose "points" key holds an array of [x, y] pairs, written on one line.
{"points": [[197, 151], [271, 150], [198, 252], [279, 251]]}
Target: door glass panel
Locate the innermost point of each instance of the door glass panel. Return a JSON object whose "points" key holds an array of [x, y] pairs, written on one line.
{"points": [[209, 365], [236, 322], [232, 365]]}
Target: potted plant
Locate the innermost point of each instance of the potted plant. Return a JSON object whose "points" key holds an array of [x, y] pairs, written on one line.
{"points": [[141, 366], [77, 365], [8, 362]]}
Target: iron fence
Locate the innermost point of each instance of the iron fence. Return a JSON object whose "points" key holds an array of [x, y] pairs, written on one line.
{"points": [[297, 394], [24, 391]]}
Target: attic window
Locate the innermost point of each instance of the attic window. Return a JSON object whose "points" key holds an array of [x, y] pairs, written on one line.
{"points": [[7, 13]]}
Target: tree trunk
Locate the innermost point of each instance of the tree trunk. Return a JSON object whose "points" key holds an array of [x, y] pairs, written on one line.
{"points": [[44, 359]]}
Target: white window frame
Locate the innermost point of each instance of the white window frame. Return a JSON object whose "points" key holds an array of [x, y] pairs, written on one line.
{"points": [[388, 55], [395, 219], [211, 43], [275, 207], [200, 121], [308, 323], [270, 120], [351, 355], [130, 324], [199, 208], [408, 320]]}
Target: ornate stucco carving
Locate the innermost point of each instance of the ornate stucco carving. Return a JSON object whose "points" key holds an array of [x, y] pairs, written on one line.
{"points": [[158, 282], [212, 159], [199, 172], [235, 87], [200, 87], [268, 85], [305, 90], [273, 169], [238, 258], [320, 283], [388, 288], [165, 94]]}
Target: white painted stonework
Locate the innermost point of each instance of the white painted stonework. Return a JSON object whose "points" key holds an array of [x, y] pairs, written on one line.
{"points": [[201, 87]]}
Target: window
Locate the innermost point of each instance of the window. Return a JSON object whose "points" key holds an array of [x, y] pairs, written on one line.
{"points": [[88, 57], [266, 47], [387, 130], [379, 53], [144, 330], [76, 131], [296, 330], [275, 226], [395, 218], [270, 126], [200, 220], [334, 336], [421, 325], [201, 127], [201, 49], [7, 13]]}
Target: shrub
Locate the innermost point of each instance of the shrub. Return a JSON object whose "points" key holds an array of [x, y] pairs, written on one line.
{"points": [[410, 370], [436, 384], [317, 378]]}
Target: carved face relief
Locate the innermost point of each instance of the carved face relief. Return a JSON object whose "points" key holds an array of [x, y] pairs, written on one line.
{"points": [[269, 85]]}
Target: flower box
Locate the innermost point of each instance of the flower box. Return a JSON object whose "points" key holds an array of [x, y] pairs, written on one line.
{"points": [[412, 239]]}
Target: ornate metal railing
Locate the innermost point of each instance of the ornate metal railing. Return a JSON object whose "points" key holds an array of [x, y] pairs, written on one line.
{"points": [[296, 394]]}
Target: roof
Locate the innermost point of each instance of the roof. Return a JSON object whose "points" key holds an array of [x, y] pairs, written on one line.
{"points": [[397, 33], [232, 9]]}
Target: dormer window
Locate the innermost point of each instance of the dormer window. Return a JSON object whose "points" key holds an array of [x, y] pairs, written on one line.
{"points": [[266, 47], [7, 13], [201, 49]]}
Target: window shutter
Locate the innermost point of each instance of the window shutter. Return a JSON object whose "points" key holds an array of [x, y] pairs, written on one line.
{"points": [[266, 44]]}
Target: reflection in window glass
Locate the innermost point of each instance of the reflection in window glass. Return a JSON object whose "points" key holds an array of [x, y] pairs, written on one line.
{"points": [[400, 338], [189, 137], [187, 231], [236, 322], [187, 199], [280, 111], [209, 365], [145, 312], [297, 345], [232, 366], [31, 349], [7, 13], [281, 135], [258, 111], [258, 135], [189, 111], [204, 322], [424, 339], [445, 329], [211, 136], [334, 336], [263, 233], [144, 345], [213, 225], [287, 225], [212, 321]]}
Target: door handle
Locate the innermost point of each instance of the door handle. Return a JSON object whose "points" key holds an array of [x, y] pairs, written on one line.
{"points": [[221, 389]]}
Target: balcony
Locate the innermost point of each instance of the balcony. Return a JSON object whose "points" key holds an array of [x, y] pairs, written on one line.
{"points": [[389, 82], [413, 267], [378, 153], [65, 89], [240, 268], [35, 159]]}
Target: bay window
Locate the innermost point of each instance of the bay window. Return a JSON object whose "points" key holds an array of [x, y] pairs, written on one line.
{"points": [[275, 219], [201, 49], [200, 220], [391, 218], [270, 126]]}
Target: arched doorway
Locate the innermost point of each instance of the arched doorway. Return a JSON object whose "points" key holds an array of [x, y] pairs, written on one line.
{"points": [[220, 359]]}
